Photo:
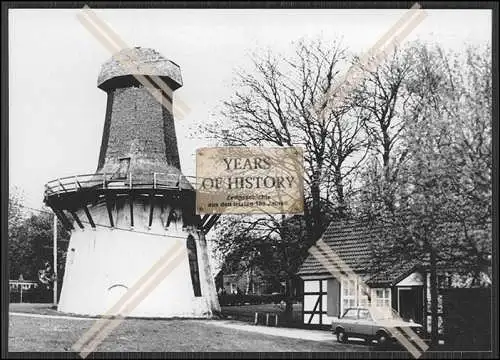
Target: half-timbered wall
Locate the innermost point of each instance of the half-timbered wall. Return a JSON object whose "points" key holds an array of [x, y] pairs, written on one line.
{"points": [[315, 302], [321, 301], [325, 299]]}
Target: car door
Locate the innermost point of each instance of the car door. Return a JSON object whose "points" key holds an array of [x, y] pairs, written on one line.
{"points": [[349, 319], [364, 325]]}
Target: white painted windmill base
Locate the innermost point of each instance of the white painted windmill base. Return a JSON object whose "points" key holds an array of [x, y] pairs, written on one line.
{"points": [[103, 264]]}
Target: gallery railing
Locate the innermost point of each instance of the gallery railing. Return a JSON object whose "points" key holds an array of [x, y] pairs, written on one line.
{"points": [[112, 181]]}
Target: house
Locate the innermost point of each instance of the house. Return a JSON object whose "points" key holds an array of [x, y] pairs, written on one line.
{"points": [[401, 287], [404, 286], [230, 283], [248, 282]]}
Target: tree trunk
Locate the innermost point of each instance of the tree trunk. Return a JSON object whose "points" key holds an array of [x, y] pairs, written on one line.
{"points": [[250, 281], [340, 193], [309, 225], [386, 156], [316, 207], [288, 300], [247, 290], [434, 297]]}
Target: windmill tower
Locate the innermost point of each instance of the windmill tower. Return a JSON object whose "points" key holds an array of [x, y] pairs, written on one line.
{"points": [[128, 215]]}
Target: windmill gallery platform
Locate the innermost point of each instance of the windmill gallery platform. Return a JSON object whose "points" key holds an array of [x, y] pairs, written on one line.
{"points": [[128, 214]]}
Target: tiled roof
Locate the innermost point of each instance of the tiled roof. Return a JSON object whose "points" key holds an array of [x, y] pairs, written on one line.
{"points": [[393, 274], [351, 240]]}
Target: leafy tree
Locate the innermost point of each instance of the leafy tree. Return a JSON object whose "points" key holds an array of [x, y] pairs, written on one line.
{"points": [[384, 99], [31, 241], [422, 120], [273, 250], [15, 212], [441, 209]]}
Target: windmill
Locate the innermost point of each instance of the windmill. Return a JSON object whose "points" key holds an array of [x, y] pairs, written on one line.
{"points": [[124, 217]]}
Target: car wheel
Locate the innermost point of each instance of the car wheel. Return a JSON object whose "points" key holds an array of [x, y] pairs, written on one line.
{"points": [[382, 339], [341, 336]]}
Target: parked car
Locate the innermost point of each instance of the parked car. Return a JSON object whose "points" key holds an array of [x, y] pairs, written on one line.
{"points": [[372, 323]]}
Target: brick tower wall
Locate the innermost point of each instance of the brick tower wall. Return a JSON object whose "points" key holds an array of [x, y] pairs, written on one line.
{"points": [[139, 127]]}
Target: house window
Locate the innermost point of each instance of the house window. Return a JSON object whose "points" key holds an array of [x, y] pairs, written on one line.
{"points": [[382, 297], [233, 288], [353, 294], [193, 265], [348, 294], [363, 299]]}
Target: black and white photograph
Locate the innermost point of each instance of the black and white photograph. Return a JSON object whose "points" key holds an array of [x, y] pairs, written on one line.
{"points": [[272, 179]]}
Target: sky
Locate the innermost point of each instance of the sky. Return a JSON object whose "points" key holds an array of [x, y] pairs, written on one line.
{"points": [[56, 111]]}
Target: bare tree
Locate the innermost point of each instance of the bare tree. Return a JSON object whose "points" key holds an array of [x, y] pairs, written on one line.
{"points": [[276, 104], [383, 98], [280, 102]]}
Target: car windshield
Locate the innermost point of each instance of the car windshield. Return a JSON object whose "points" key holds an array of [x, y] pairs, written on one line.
{"points": [[351, 314]]}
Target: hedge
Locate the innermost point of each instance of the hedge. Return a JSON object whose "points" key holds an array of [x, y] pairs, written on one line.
{"points": [[241, 299]]}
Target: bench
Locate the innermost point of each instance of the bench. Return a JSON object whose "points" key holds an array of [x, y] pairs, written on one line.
{"points": [[267, 316]]}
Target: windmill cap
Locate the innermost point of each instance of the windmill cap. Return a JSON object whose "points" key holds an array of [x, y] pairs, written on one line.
{"points": [[122, 68]]}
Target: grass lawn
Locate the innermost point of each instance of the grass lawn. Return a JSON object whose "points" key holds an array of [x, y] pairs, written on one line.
{"points": [[42, 309], [48, 334]]}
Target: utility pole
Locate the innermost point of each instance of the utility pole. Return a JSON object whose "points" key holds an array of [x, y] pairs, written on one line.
{"points": [[54, 269], [21, 278]]}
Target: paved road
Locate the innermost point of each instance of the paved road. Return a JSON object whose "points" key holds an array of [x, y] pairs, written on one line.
{"points": [[312, 335]]}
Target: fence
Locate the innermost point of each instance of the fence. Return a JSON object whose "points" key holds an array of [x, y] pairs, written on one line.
{"points": [[34, 295], [467, 319]]}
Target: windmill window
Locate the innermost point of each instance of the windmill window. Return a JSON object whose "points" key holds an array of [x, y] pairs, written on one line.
{"points": [[193, 265], [124, 166], [172, 216]]}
